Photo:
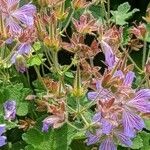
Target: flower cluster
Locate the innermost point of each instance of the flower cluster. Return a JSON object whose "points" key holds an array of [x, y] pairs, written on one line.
{"points": [[75, 73], [119, 109]]}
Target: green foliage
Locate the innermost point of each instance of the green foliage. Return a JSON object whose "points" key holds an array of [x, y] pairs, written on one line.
{"points": [[147, 124], [146, 140], [79, 145], [137, 142], [122, 13], [35, 60], [22, 109], [14, 92], [55, 139], [36, 46], [141, 141], [97, 11]]}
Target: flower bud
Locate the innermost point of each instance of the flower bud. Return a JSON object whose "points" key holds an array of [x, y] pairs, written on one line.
{"points": [[20, 64]]}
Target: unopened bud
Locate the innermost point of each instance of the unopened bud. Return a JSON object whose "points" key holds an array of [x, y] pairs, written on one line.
{"points": [[20, 64]]}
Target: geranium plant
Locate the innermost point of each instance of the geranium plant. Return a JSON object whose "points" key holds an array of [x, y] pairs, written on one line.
{"points": [[74, 75]]}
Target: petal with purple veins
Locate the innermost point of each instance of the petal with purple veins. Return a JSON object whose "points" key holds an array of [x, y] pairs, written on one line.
{"points": [[106, 126], [143, 94], [91, 138], [131, 121], [13, 26], [140, 104], [24, 48], [109, 56], [124, 139], [25, 14], [129, 78], [107, 144]]}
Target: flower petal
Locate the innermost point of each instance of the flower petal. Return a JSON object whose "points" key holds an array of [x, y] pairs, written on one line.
{"points": [[2, 140], [50, 121], [98, 85], [25, 14], [24, 48], [10, 109], [143, 94], [13, 26], [141, 101], [106, 126], [107, 144], [140, 104], [12, 3], [131, 121], [129, 78], [92, 95], [124, 139], [91, 138], [2, 129], [109, 56], [97, 117], [118, 73]]}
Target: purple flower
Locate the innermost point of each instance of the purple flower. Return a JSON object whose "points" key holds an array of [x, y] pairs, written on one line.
{"points": [[129, 79], [26, 38], [110, 58], [141, 101], [52, 121], [10, 110], [124, 139], [2, 138], [23, 48], [99, 93], [93, 138], [131, 123], [15, 17], [118, 113], [107, 144]]}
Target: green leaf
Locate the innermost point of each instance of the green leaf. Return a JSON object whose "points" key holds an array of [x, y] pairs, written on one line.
{"points": [[36, 46], [11, 125], [29, 147], [97, 11], [122, 14], [125, 36], [13, 92], [55, 139], [79, 145], [18, 146], [35, 60], [33, 137], [78, 13], [147, 124], [69, 74], [22, 109], [137, 142], [146, 140]]}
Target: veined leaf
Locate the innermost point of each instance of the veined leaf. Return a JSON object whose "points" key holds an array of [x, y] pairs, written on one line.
{"points": [[122, 13]]}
